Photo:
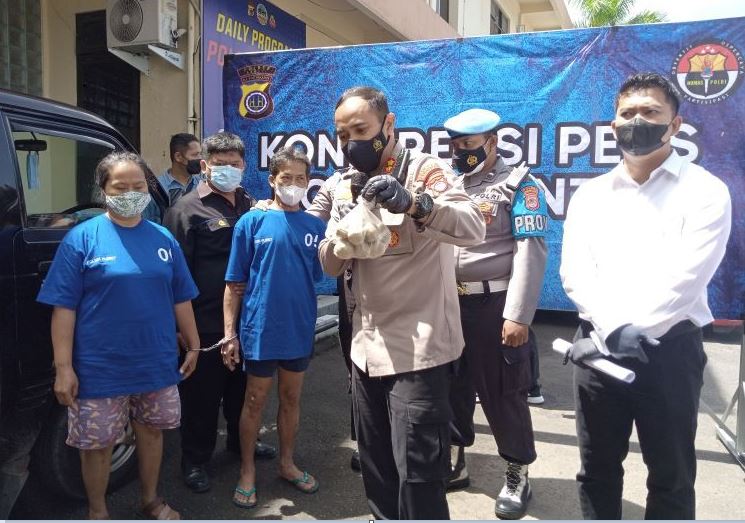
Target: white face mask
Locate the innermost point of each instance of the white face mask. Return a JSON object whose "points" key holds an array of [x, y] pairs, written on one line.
{"points": [[290, 195], [128, 204]]}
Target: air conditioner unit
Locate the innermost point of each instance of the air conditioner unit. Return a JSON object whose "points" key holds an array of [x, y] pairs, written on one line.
{"points": [[133, 25]]}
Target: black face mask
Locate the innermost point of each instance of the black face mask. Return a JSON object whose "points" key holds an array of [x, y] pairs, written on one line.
{"points": [[365, 155], [466, 161], [194, 166], [640, 137]]}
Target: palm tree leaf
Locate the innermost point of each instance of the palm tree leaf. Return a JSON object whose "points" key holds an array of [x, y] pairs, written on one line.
{"points": [[600, 13], [646, 17]]}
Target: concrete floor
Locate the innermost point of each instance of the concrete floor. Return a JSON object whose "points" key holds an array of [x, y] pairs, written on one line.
{"points": [[324, 449]]}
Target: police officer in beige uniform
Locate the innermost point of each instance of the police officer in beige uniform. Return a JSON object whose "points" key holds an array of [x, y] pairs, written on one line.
{"points": [[406, 324], [499, 282], [321, 208]]}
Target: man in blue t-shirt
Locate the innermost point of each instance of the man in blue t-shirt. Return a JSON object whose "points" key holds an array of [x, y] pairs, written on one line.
{"points": [[275, 253]]}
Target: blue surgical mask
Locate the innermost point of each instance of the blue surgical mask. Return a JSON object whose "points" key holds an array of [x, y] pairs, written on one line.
{"points": [[225, 178]]}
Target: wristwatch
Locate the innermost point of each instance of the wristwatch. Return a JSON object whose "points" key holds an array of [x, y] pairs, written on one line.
{"points": [[423, 205]]}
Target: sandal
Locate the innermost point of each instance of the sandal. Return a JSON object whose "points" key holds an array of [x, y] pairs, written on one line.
{"points": [[304, 480], [158, 509], [245, 493]]}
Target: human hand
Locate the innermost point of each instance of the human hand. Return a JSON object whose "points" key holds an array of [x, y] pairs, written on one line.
{"points": [[263, 205], [65, 385], [628, 341], [231, 353], [514, 334], [190, 364], [388, 192], [582, 349], [181, 342]]}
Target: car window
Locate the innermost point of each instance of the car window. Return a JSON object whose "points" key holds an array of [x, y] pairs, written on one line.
{"points": [[56, 172]]}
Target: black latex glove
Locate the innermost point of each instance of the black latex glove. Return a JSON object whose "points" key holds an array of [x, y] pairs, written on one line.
{"points": [[628, 341], [390, 194], [357, 183], [582, 349]]}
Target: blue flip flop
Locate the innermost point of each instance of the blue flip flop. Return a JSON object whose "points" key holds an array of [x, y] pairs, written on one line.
{"points": [[304, 480], [247, 493]]}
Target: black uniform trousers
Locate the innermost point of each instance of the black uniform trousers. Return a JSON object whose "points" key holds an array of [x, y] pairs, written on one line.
{"points": [[345, 338], [501, 375], [663, 404], [535, 367], [404, 441], [201, 395]]}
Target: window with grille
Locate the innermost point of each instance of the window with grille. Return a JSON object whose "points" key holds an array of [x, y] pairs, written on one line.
{"points": [[20, 46], [500, 24]]}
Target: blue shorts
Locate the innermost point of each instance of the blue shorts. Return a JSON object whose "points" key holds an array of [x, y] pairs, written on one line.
{"points": [[267, 368]]}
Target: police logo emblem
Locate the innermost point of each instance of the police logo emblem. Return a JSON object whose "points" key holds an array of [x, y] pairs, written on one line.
{"points": [[486, 208], [377, 145], [440, 186], [261, 14], [471, 160], [532, 203], [390, 164], [436, 182], [251, 8], [255, 83], [708, 72]]}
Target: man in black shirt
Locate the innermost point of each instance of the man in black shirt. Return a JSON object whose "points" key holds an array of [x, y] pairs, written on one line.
{"points": [[202, 221]]}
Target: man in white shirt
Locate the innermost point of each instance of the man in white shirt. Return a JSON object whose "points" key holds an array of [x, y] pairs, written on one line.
{"points": [[641, 244]]}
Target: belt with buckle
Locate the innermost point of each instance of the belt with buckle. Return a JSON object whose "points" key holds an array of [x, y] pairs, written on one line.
{"points": [[481, 287]]}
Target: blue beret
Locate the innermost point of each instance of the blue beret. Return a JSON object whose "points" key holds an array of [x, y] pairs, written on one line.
{"points": [[471, 121]]}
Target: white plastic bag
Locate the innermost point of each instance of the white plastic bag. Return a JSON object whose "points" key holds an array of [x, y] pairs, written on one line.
{"points": [[361, 233]]}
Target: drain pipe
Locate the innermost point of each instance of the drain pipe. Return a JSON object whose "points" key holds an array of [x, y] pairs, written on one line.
{"points": [[191, 118]]}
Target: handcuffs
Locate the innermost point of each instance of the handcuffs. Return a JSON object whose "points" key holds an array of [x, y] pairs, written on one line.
{"points": [[214, 346]]}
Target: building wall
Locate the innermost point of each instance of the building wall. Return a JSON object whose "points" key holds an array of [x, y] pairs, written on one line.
{"points": [[163, 99], [338, 23], [164, 94], [472, 17]]}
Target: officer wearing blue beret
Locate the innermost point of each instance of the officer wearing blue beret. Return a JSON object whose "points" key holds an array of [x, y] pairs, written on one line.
{"points": [[499, 282]]}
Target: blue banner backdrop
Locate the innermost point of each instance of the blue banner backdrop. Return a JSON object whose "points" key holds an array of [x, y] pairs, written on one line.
{"points": [[554, 91], [232, 26]]}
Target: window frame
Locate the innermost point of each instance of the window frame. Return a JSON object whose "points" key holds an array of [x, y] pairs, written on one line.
{"points": [[49, 128], [501, 16]]}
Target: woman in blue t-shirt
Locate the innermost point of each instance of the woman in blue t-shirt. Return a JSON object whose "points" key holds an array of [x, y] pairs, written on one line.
{"points": [[275, 253], [119, 285]]}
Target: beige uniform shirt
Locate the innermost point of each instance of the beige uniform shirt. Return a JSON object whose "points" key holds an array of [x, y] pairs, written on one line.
{"points": [[407, 315], [501, 256]]}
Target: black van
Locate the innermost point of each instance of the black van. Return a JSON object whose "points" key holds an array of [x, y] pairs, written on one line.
{"points": [[48, 153]]}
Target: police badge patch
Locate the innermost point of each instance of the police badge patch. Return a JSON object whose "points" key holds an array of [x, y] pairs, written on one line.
{"points": [[255, 83], [532, 202], [529, 211], [433, 177], [427, 168]]}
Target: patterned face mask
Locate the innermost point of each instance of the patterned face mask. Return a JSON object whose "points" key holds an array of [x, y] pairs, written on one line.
{"points": [[128, 204]]}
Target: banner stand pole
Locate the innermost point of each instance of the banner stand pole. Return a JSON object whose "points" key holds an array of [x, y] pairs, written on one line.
{"points": [[733, 442]]}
